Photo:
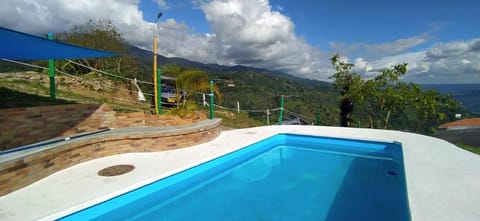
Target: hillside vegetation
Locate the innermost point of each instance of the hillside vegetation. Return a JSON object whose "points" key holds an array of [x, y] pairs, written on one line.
{"points": [[256, 91], [28, 89], [21, 89]]}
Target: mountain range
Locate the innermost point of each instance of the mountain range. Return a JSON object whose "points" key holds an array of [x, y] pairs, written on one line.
{"points": [[146, 57]]}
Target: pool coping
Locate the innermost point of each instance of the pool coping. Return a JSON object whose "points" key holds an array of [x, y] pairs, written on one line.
{"points": [[442, 182], [22, 168]]}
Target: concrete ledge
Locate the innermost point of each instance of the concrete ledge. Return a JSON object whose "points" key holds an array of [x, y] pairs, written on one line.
{"points": [[442, 179], [19, 169]]}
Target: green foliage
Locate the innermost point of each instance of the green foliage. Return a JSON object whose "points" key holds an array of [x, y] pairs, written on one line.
{"points": [[385, 97], [427, 109], [189, 81], [262, 91], [183, 109], [469, 148], [101, 35], [349, 84], [234, 120], [12, 99]]}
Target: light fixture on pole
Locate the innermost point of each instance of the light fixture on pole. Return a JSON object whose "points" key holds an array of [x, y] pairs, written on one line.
{"points": [[155, 72]]}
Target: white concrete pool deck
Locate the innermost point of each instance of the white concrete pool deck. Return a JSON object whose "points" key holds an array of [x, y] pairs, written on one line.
{"points": [[443, 181]]}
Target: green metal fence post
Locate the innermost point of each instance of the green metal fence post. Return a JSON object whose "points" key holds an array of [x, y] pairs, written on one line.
{"points": [[211, 100], [51, 71], [280, 117], [317, 118], [159, 91]]}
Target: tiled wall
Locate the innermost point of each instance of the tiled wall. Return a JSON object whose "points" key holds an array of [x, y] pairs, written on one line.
{"points": [[23, 126], [21, 172]]}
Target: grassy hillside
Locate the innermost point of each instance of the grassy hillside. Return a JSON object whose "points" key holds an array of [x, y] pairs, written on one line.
{"points": [[261, 91], [258, 89], [27, 89], [22, 89], [11, 98]]}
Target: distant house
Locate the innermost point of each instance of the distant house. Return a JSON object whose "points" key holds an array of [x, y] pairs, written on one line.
{"points": [[468, 123], [230, 83]]}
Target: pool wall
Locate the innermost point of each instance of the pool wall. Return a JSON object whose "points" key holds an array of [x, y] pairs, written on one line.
{"points": [[442, 178], [174, 184], [22, 168]]}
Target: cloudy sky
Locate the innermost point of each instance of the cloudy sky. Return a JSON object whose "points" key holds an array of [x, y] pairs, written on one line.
{"points": [[440, 40]]}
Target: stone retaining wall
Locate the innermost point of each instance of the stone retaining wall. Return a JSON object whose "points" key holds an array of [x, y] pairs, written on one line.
{"points": [[23, 126], [24, 170]]}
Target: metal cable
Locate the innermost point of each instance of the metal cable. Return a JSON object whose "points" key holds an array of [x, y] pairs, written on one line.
{"points": [[254, 111], [298, 115], [26, 64], [104, 72]]}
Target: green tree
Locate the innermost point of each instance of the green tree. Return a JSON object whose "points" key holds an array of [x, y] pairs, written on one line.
{"points": [[189, 81], [349, 84], [385, 97], [430, 109], [101, 35]]}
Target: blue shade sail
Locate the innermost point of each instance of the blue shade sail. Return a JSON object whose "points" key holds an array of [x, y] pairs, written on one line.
{"points": [[21, 46]]}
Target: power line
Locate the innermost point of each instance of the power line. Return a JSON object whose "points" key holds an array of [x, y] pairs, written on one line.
{"points": [[254, 111], [106, 73], [268, 111], [26, 64], [298, 115]]}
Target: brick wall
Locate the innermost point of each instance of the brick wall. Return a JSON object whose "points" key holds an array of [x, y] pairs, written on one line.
{"points": [[142, 119], [23, 126], [23, 171]]}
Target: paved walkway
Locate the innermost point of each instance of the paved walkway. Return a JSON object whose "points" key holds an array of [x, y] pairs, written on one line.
{"points": [[442, 179]]}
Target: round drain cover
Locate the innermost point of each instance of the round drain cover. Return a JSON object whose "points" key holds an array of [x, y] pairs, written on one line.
{"points": [[116, 170]]}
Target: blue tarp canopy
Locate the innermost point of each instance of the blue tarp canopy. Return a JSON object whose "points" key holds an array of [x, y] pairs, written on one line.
{"points": [[21, 46]]}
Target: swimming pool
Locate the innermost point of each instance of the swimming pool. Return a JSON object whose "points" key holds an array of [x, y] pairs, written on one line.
{"points": [[285, 177]]}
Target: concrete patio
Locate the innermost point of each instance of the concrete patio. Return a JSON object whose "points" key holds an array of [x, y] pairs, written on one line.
{"points": [[442, 179]]}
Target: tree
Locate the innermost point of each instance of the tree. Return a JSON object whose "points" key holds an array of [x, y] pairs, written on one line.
{"points": [[189, 81], [384, 94], [385, 97], [101, 35], [430, 109], [348, 84]]}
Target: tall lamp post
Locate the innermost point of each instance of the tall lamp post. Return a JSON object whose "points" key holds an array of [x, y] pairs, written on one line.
{"points": [[155, 69]]}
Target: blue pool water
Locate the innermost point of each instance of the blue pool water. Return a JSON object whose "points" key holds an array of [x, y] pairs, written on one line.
{"points": [[285, 177]]}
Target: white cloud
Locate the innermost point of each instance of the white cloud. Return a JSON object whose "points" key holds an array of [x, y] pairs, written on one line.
{"points": [[415, 60], [162, 4], [453, 62], [397, 46], [43, 16], [38, 17], [248, 32], [362, 66]]}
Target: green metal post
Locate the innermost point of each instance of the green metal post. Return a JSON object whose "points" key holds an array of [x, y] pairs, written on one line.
{"points": [[159, 91], [211, 100], [280, 118], [317, 118], [51, 71], [358, 123]]}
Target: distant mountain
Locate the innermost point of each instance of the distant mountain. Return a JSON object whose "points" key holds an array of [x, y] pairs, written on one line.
{"points": [[258, 89], [467, 94], [146, 57]]}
